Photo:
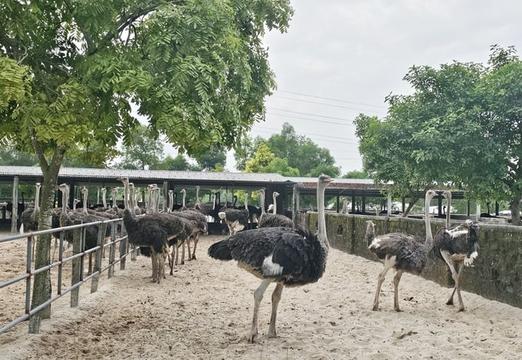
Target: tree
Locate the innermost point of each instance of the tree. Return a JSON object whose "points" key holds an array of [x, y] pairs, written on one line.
{"points": [[143, 149], [264, 161], [460, 127], [356, 174], [300, 152], [214, 158], [69, 71], [9, 155]]}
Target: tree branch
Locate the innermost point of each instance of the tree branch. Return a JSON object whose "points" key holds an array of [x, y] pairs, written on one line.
{"points": [[38, 149]]}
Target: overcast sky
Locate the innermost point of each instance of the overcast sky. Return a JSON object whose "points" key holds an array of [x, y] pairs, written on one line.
{"points": [[358, 51]]}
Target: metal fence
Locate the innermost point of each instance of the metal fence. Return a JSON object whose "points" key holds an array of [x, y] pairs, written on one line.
{"points": [[116, 236]]}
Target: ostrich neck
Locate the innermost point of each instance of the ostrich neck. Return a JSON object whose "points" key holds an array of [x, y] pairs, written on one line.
{"points": [[274, 199], [246, 201], [64, 201], [262, 202], [214, 202], [321, 219], [448, 210], [37, 199], [85, 202], [104, 199], [183, 199], [429, 235], [197, 195]]}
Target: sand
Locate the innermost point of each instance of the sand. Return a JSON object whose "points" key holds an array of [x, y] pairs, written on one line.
{"points": [[204, 312]]}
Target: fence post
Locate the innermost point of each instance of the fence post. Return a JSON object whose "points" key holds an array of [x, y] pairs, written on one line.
{"points": [[14, 212], [123, 251], [98, 259], [112, 250], [76, 266], [28, 267]]}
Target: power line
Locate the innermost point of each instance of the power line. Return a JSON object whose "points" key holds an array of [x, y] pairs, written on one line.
{"points": [[332, 99], [327, 137], [319, 103], [311, 119], [309, 114]]}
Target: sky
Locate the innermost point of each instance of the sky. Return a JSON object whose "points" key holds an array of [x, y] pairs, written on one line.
{"points": [[340, 58]]}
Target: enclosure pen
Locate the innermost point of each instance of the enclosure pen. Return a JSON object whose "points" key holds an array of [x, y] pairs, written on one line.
{"points": [[77, 259]]}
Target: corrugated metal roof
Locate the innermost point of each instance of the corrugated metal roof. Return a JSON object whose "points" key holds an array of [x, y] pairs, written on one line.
{"points": [[145, 175]]}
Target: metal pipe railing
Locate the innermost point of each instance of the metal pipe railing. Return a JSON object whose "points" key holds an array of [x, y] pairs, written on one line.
{"points": [[78, 256]]}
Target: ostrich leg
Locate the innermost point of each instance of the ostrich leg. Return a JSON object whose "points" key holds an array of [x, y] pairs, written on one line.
{"points": [[276, 296], [258, 296], [388, 264], [196, 239], [454, 274], [396, 280], [457, 286]]}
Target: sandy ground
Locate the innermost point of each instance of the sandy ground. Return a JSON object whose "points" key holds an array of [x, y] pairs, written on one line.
{"points": [[204, 312]]}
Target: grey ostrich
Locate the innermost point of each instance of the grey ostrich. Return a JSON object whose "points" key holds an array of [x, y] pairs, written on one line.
{"points": [[285, 256], [236, 219], [274, 219], [458, 247], [29, 217], [400, 251]]}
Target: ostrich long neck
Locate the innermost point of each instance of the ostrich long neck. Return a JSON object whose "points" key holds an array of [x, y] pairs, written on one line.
{"points": [[85, 201], [104, 198], [429, 235], [246, 201], [197, 194], [262, 202], [448, 209], [37, 199], [274, 199], [183, 198], [321, 220]]}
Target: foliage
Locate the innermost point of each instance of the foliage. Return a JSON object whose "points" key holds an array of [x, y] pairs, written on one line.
{"points": [[299, 152], [9, 155], [356, 174], [460, 127], [264, 161], [214, 159], [179, 163], [143, 149]]}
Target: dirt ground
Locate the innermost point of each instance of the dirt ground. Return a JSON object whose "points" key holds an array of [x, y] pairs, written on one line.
{"points": [[204, 312]]}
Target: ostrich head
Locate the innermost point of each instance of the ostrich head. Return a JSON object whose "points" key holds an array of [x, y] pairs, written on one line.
{"points": [[103, 190], [183, 191], [276, 194], [325, 179]]}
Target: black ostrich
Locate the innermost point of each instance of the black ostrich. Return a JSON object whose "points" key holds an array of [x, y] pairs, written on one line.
{"points": [[236, 219], [29, 217], [404, 253], [150, 230], [285, 256], [274, 219], [458, 247]]}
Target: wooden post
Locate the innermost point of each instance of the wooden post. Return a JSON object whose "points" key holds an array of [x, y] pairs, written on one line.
{"points": [[338, 204], [98, 259], [353, 204], [439, 205], [76, 266], [468, 212], [14, 213], [363, 206], [497, 208], [389, 204], [477, 215], [123, 251], [403, 205]]}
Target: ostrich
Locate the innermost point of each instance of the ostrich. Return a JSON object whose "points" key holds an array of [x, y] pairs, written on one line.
{"points": [[69, 218], [458, 247], [235, 219], [29, 216], [400, 251], [272, 220], [285, 256], [151, 230]]}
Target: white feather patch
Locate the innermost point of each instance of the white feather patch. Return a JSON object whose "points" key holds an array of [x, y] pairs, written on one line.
{"points": [[270, 268], [457, 232], [375, 243], [222, 215], [468, 261]]}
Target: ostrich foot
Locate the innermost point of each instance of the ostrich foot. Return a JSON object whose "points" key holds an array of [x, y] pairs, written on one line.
{"points": [[375, 307], [251, 338], [449, 302], [272, 333], [193, 257], [461, 309], [397, 309]]}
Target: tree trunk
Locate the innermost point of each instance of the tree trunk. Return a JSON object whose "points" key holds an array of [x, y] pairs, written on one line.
{"points": [[410, 206], [42, 290], [515, 210]]}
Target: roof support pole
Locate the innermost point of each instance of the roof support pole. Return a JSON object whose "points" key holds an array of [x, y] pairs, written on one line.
{"points": [[14, 212], [389, 204], [295, 204]]}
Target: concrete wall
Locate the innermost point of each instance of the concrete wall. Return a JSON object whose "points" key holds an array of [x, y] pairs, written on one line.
{"points": [[497, 273]]}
